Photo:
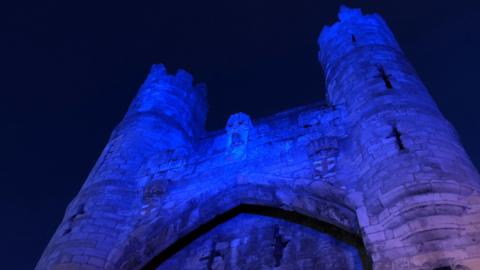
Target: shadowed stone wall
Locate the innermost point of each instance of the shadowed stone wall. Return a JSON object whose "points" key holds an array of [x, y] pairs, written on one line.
{"points": [[258, 242], [377, 161]]}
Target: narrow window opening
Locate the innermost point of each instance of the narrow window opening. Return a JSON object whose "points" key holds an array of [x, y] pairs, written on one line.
{"points": [[279, 245], [398, 138], [67, 231], [354, 39], [79, 213], [385, 77], [213, 253]]}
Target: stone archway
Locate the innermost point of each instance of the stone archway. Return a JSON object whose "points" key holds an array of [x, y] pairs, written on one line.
{"points": [[340, 236], [163, 227]]}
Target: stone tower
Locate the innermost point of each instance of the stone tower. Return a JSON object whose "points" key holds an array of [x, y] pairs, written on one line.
{"points": [[373, 178]]}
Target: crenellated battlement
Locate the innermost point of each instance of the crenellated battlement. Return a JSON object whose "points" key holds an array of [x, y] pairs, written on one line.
{"points": [[181, 80], [353, 31], [173, 97]]}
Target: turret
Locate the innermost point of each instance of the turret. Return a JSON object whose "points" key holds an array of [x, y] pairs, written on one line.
{"points": [[169, 112], [177, 101], [415, 188], [365, 67]]}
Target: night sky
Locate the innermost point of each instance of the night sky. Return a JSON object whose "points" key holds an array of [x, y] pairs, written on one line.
{"points": [[70, 70]]}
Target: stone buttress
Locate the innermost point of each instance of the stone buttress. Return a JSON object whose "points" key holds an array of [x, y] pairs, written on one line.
{"points": [[417, 193]]}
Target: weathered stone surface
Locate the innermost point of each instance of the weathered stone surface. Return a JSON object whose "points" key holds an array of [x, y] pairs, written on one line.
{"points": [[258, 242], [376, 162], [415, 179]]}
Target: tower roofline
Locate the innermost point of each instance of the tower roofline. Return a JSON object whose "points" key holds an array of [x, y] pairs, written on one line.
{"points": [[182, 79]]}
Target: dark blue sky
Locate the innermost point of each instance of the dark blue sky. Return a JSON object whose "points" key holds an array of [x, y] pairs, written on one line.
{"points": [[70, 69]]}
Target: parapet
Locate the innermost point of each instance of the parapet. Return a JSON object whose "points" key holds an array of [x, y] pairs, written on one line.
{"points": [[353, 30], [174, 98]]}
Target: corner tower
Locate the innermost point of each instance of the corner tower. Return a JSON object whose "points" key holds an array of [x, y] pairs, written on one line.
{"points": [[415, 189], [168, 113]]}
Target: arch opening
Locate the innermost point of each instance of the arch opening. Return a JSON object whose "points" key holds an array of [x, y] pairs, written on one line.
{"points": [[337, 233]]}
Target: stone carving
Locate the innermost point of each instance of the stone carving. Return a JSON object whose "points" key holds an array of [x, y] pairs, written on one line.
{"points": [[239, 127]]}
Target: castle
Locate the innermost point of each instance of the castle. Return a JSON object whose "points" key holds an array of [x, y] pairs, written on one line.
{"points": [[373, 178]]}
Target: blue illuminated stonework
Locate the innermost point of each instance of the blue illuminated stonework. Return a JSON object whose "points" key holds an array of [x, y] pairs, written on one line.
{"points": [[374, 177]]}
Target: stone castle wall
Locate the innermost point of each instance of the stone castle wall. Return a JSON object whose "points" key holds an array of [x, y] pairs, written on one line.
{"points": [[376, 164]]}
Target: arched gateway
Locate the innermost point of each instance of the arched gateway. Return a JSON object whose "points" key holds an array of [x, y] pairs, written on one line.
{"points": [[374, 177]]}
